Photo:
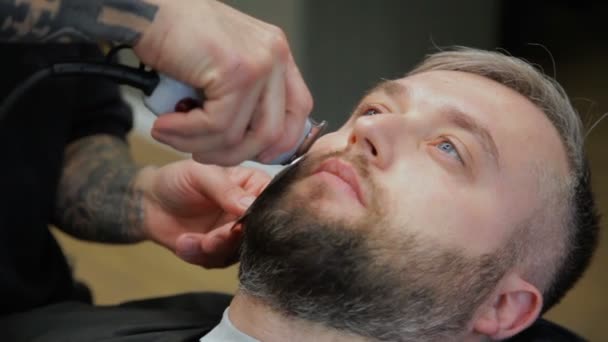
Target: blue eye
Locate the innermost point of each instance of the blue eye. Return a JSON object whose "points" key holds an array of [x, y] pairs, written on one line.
{"points": [[371, 111], [449, 148]]}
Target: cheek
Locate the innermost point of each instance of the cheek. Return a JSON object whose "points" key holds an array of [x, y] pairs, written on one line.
{"points": [[464, 217], [330, 142]]}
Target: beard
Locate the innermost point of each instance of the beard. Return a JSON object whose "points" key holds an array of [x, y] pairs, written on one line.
{"points": [[370, 277]]}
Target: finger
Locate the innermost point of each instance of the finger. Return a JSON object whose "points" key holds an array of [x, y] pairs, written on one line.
{"points": [[241, 174], [235, 134], [186, 132], [221, 122], [231, 142], [232, 132], [188, 248], [298, 97], [267, 124], [297, 108], [222, 243], [218, 248], [230, 156], [199, 121], [215, 183], [257, 183], [199, 144], [252, 180], [293, 131]]}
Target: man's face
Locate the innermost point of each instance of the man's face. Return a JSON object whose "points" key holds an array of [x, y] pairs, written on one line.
{"points": [[406, 214], [454, 155]]}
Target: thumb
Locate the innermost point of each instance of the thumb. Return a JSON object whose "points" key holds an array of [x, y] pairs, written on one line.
{"points": [[215, 183], [218, 248]]}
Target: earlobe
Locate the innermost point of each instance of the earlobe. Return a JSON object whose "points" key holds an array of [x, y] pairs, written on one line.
{"points": [[486, 323], [516, 305]]}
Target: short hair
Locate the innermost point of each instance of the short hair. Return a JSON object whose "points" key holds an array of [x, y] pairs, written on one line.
{"points": [[555, 271]]}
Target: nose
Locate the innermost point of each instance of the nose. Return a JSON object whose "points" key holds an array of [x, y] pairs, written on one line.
{"points": [[374, 138]]}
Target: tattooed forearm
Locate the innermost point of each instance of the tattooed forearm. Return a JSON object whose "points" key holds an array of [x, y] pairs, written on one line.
{"points": [[97, 198], [121, 21]]}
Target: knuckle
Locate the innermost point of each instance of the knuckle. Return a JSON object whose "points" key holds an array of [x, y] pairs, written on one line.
{"points": [[261, 179], [268, 136], [301, 103], [307, 103], [291, 139], [217, 66], [229, 66], [288, 144], [275, 136], [252, 70], [234, 191], [278, 42], [233, 64]]}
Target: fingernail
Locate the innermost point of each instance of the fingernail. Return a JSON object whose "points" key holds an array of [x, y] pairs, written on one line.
{"points": [[189, 246], [247, 201], [187, 105], [237, 228]]}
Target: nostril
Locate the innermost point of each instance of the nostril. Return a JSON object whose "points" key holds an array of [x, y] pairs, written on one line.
{"points": [[374, 151]]}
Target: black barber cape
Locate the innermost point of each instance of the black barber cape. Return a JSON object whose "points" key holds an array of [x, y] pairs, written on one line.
{"points": [[33, 269], [181, 318]]}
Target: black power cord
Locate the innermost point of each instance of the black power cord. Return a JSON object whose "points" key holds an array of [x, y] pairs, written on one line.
{"points": [[145, 80]]}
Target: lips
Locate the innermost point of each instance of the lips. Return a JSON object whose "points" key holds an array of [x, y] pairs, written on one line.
{"points": [[345, 172]]}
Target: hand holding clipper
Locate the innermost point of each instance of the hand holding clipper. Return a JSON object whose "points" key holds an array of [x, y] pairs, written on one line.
{"points": [[171, 96]]}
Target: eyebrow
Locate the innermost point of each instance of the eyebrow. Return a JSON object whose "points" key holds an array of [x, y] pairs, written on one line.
{"points": [[458, 118], [390, 88], [453, 115]]}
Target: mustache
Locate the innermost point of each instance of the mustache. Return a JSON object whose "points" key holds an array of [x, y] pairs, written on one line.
{"points": [[359, 162], [304, 168]]}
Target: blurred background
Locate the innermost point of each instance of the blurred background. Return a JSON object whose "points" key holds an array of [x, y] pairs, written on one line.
{"points": [[344, 47]]}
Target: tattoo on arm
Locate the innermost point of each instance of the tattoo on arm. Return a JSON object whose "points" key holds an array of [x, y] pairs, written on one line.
{"points": [[121, 21], [97, 199]]}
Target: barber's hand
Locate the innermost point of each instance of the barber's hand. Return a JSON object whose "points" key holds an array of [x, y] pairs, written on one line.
{"points": [[190, 208], [256, 100]]}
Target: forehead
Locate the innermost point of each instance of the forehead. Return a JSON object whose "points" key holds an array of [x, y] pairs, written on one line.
{"points": [[468, 92]]}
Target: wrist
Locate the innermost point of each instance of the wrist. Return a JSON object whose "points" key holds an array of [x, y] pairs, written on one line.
{"points": [[143, 190], [126, 21], [159, 9]]}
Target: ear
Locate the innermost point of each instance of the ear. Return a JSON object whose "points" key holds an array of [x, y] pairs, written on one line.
{"points": [[513, 307]]}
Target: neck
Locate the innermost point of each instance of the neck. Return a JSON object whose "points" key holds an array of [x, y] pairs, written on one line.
{"points": [[258, 320]]}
